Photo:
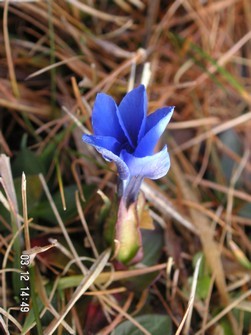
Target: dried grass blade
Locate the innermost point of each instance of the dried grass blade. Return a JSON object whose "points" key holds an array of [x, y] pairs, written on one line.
{"points": [[211, 248], [119, 317], [165, 206], [206, 233], [88, 280], [8, 186], [226, 310], [207, 121], [25, 213], [192, 297], [26, 108], [3, 324], [6, 180], [96, 13], [126, 315], [11, 318], [215, 131], [187, 316], [214, 186], [13, 79], [82, 218], [4, 264], [111, 277], [61, 224], [51, 66]]}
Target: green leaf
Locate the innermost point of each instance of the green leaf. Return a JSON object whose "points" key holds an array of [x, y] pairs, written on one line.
{"points": [[30, 318], [33, 190], [226, 327], [154, 323], [232, 141], [153, 243], [27, 162], [203, 285], [245, 211], [43, 209], [199, 56], [51, 150]]}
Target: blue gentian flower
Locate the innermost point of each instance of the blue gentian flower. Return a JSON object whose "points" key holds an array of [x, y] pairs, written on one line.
{"points": [[126, 135]]}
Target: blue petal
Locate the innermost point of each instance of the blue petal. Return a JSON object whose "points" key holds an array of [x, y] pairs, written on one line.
{"points": [[132, 189], [106, 142], [104, 118], [108, 147], [132, 114], [122, 168], [155, 125], [153, 167]]}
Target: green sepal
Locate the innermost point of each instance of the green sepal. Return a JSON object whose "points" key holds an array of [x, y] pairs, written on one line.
{"points": [[128, 242]]}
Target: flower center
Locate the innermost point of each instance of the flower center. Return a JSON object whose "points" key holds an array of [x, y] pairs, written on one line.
{"points": [[126, 146]]}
